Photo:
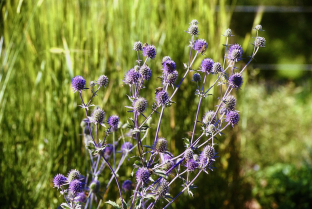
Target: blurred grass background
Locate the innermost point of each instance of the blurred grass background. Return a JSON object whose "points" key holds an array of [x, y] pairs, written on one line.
{"points": [[266, 160]]}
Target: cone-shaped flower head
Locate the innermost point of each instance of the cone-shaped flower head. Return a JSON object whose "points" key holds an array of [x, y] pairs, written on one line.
{"points": [[169, 66], [200, 45], [145, 72], [127, 185], [194, 22], [259, 42], [81, 197], [164, 59], [108, 151], [162, 98], [232, 117], [113, 122], [59, 180], [228, 32], [188, 154], [229, 103], [208, 151], [149, 51], [217, 68], [191, 164], [160, 145], [235, 52], [75, 187], [211, 128], [207, 156], [131, 77], [140, 105], [97, 116], [206, 65], [95, 186], [73, 174], [162, 188], [171, 77], [193, 30], [196, 77], [142, 175], [208, 117], [126, 147], [102, 81], [137, 46], [78, 83], [236, 80], [258, 28]]}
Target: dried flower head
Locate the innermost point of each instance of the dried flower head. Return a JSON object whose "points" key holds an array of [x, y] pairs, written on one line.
{"points": [[78, 83], [258, 28], [149, 51], [142, 175], [59, 180], [97, 116], [194, 22], [235, 52], [137, 46], [140, 104], [232, 117], [206, 65], [102, 81], [236, 80]]}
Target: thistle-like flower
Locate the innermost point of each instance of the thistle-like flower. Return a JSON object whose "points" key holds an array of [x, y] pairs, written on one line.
{"points": [[193, 30], [131, 77], [191, 164], [232, 117], [200, 45], [81, 197], [73, 175], [236, 80], [126, 147], [169, 66], [259, 42], [97, 116], [140, 105], [229, 103], [235, 52], [208, 117], [137, 46], [59, 180], [171, 77], [217, 67], [206, 65], [228, 33], [127, 185], [142, 175], [188, 154], [196, 77], [194, 22], [102, 81], [145, 72], [108, 151], [258, 28], [160, 145], [113, 122], [78, 83], [162, 187], [164, 59], [149, 51], [95, 186], [162, 98], [75, 187]]}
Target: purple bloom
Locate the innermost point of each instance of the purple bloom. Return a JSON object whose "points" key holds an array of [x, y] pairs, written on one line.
{"points": [[78, 83], [142, 175], [169, 66], [137, 46], [162, 97], [127, 185], [98, 116], [171, 77], [206, 65], [75, 187], [81, 197], [164, 59], [131, 77], [196, 77], [139, 105], [200, 45], [188, 154], [113, 122], [126, 147], [145, 72], [232, 117], [191, 164], [59, 180], [235, 52], [236, 80], [149, 51], [108, 151], [102, 81]]}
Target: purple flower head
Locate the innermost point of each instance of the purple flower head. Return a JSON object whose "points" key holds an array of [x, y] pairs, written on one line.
{"points": [[164, 59], [126, 147], [206, 65], [81, 197], [142, 175], [217, 68], [200, 45], [139, 105], [131, 77], [259, 42], [171, 77], [193, 30], [196, 77], [113, 122], [108, 151], [127, 185], [160, 145], [75, 187], [137, 46], [97, 116], [236, 80], [208, 152], [191, 164], [102, 81], [95, 186], [59, 180], [208, 117], [162, 98], [169, 66], [229, 103], [232, 117], [235, 52], [162, 187], [188, 154], [149, 51], [145, 72], [78, 83]]}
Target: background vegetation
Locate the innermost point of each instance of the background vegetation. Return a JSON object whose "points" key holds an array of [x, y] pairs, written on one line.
{"points": [[266, 160]]}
